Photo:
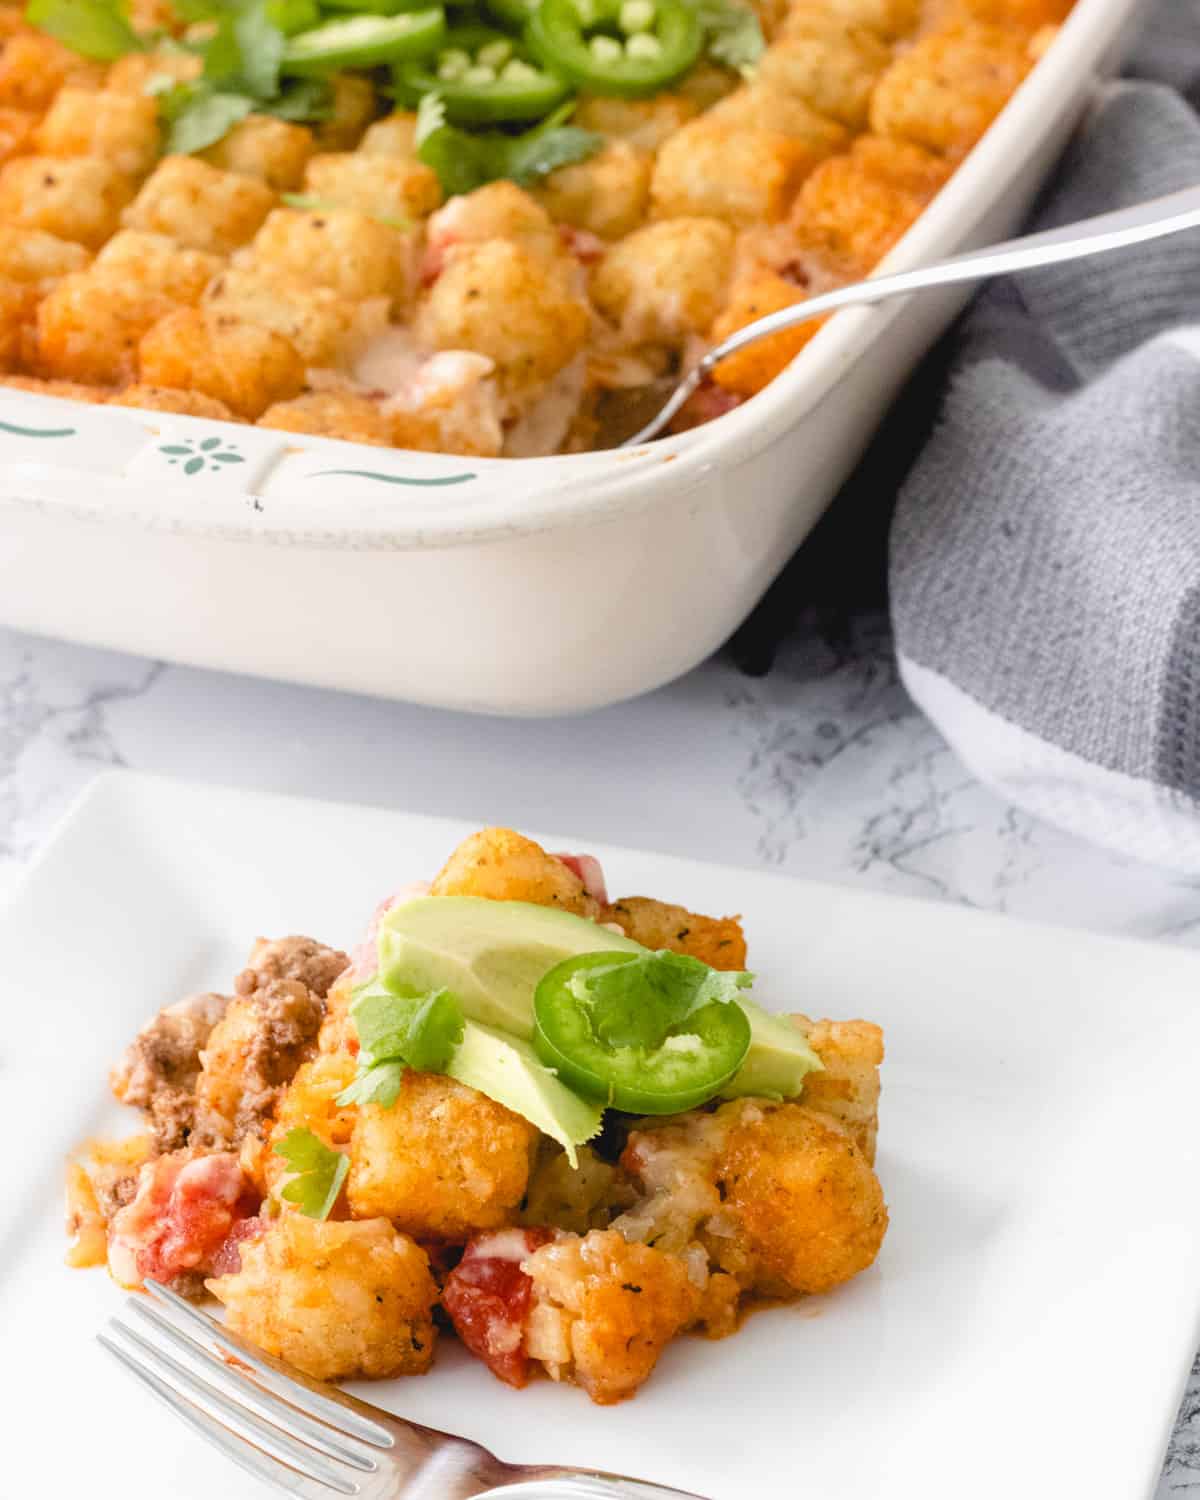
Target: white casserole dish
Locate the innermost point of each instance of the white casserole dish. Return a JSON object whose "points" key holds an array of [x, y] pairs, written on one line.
{"points": [[521, 586]]}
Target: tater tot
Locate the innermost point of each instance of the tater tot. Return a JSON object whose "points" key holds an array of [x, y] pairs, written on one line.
{"points": [[440, 1163], [832, 68], [67, 389], [909, 168], [182, 403], [351, 110], [89, 326], [498, 211], [608, 194], [946, 90], [499, 300], [120, 128], [808, 1208], [335, 1299], [393, 187], [394, 135], [342, 249], [667, 280], [452, 405], [33, 67], [716, 941], [33, 255], [604, 1310], [76, 198], [742, 176], [160, 264], [17, 127], [857, 213], [246, 367], [18, 301], [130, 74], [647, 123], [889, 19], [326, 330], [1028, 16], [848, 1086], [274, 152], [764, 105], [501, 865], [335, 414], [200, 205], [753, 296]]}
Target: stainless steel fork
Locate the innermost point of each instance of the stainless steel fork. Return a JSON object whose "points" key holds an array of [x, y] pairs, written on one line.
{"points": [[310, 1439]]}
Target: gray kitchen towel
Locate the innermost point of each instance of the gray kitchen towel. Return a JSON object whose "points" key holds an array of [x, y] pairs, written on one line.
{"points": [[1045, 553]]}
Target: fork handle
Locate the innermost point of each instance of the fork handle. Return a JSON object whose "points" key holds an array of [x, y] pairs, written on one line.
{"points": [[576, 1484]]}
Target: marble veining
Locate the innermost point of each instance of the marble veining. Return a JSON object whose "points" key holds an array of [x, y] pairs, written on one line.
{"points": [[824, 768]]}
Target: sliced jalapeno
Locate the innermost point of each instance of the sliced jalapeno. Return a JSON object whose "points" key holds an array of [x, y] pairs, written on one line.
{"points": [[375, 7], [291, 16], [483, 77], [624, 47], [365, 41], [515, 14], [624, 1040]]}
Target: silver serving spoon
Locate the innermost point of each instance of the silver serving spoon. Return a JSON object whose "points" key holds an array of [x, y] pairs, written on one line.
{"points": [[1114, 231]]}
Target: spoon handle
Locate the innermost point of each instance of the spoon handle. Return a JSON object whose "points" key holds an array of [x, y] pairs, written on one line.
{"points": [[1095, 236]]}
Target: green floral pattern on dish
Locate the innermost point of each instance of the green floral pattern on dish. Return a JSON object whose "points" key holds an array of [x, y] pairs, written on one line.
{"points": [[195, 457]]}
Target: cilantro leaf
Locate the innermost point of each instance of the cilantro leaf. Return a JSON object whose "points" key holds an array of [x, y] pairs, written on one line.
{"points": [[734, 35], [260, 45], [197, 10], [93, 28], [539, 152], [302, 99], [201, 118], [420, 1030], [639, 1002], [379, 1084], [397, 1032], [318, 1173], [465, 160]]}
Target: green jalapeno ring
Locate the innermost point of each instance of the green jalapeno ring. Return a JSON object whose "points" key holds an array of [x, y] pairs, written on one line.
{"points": [[582, 39], [364, 41], [370, 7], [515, 15], [686, 1065], [481, 89]]}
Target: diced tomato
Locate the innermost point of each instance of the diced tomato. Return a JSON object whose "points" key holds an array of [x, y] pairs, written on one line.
{"points": [[585, 246], [708, 402], [180, 1219], [228, 1259], [590, 871], [364, 961], [488, 1297]]}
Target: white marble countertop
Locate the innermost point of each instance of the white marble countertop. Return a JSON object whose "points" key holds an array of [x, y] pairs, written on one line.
{"points": [[824, 768]]}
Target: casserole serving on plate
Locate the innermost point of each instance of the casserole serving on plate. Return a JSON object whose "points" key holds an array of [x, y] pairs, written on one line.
{"points": [[536, 585]]}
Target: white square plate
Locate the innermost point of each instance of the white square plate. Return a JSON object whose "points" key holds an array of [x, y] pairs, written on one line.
{"points": [[1026, 1330]]}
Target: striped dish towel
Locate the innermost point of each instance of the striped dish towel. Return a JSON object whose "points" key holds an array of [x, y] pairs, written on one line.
{"points": [[1045, 552]]}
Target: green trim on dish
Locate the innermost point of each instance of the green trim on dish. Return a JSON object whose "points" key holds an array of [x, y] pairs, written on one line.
{"points": [[39, 432], [393, 478]]}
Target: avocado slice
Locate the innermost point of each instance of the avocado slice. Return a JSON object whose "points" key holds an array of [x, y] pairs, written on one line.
{"points": [[488, 954], [778, 1061], [506, 1069]]}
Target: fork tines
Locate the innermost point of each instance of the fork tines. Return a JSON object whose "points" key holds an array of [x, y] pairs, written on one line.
{"points": [[291, 1435]]}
